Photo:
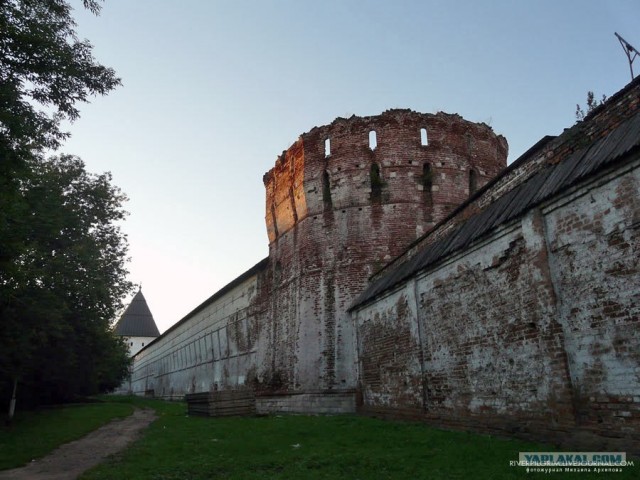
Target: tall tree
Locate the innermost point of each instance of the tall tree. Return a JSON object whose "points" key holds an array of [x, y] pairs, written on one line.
{"points": [[45, 71], [61, 252], [64, 288]]}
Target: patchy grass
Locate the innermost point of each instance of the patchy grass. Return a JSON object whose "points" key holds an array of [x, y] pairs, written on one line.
{"points": [[312, 447], [36, 433], [177, 447]]}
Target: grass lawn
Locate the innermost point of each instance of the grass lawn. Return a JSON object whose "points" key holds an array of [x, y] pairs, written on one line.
{"points": [[310, 447], [34, 434], [276, 447]]}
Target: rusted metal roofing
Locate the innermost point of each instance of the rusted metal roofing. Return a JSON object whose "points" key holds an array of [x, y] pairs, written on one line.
{"points": [[550, 181], [137, 320]]}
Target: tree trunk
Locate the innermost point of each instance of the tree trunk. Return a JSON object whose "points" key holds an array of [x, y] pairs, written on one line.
{"points": [[12, 404]]}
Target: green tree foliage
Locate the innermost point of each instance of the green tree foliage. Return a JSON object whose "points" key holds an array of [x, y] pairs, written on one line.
{"points": [[45, 70], [61, 292], [44, 64], [62, 254]]}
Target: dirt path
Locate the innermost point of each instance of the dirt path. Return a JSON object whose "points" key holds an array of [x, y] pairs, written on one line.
{"points": [[70, 460]]}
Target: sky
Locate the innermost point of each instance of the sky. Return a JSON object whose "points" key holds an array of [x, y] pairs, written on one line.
{"points": [[213, 91]]}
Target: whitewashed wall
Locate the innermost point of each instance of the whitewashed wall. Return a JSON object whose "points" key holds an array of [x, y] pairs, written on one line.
{"points": [[136, 344], [209, 349], [533, 330]]}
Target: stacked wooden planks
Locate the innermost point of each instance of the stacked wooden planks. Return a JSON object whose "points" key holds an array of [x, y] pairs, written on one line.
{"points": [[222, 403]]}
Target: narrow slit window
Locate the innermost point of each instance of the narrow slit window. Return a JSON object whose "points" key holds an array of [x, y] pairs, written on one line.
{"points": [[326, 190], [278, 272], [473, 182], [376, 181], [373, 140], [427, 178], [327, 147], [274, 220], [294, 210], [423, 137]]}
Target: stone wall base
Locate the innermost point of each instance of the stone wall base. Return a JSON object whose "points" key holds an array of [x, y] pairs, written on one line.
{"points": [[567, 437], [310, 402]]}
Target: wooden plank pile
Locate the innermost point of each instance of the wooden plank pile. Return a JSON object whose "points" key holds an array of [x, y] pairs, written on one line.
{"points": [[221, 403]]}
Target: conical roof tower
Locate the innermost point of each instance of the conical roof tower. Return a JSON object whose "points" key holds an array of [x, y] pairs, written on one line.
{"points": [[137, 320]]}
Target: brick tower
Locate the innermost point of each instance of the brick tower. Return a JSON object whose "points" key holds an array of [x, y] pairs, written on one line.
{"points": [[341, 202]]}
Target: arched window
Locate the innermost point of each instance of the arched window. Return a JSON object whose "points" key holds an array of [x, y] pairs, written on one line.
{"points": [[473, 182], [423, 137], [373, 140]]}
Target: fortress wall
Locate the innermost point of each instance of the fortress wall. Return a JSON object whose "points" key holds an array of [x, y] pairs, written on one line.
{"points": [[454, 147], [338, 226], [391, 353], [212, 348], [549, 150], [285, 199], [135, 344], [337, 209], [479, 321], [532, 331], [594, 247]]}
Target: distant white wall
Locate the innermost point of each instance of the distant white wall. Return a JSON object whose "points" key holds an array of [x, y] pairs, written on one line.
{"points": [[136, 344], [212, 348]]}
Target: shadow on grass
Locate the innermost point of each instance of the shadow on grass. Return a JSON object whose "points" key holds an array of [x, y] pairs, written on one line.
{"points": [[177, 446], [33, 434]]}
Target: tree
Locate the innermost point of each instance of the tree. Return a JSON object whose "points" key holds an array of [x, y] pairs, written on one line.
{"points": [[44, 72], [64, 288], [592, 104], [43, 65], [61, 252]]}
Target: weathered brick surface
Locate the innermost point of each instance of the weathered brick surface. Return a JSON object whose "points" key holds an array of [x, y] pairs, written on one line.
{"points": [[595, 249], [597, 125], [533, 333], [214, 349], [326, 402], [533, 330], [486, 326], [331, 224]]}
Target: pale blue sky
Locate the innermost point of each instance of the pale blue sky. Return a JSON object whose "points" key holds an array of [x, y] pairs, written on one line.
{"points": [[213, 91]]}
